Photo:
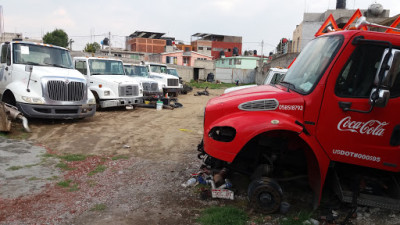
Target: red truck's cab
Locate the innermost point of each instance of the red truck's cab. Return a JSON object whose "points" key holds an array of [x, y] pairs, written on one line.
{"points": [[338, 106]]}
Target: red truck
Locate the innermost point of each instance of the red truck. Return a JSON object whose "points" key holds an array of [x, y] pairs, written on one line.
{"points": [[335, 117]]}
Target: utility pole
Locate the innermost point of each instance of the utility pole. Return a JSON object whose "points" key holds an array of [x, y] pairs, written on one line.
{"points": [[109, 43]]}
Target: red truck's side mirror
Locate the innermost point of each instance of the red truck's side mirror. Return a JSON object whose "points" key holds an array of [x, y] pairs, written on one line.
{"points": [[384, 80]]}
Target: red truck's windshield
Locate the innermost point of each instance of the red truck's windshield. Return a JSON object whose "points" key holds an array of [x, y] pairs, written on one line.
{"points": [[312, 63]]}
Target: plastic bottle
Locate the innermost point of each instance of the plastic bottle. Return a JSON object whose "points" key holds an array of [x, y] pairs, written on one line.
{"points": [[190, 182], [227, 185]]}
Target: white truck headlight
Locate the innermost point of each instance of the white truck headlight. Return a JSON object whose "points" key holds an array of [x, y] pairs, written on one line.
{"points": [[92, 101], [107, 93], [32, 100]]}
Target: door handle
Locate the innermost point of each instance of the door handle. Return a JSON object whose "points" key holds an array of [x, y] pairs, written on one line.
{"points": [[345, 105], [395, 139]]}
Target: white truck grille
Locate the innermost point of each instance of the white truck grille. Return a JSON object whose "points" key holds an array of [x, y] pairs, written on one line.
{"points": [[65, 91], [150, 86], [173, 82], [128, 91]]}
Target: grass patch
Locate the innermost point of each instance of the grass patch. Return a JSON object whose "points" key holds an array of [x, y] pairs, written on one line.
{"points": [[64, 166], [74, 187], [226, 215], [98, 169], [13, 168], [31, 165], [4, 134], [33, 178], [117, 157], [296, 219], [52, 178], [91, 183], [64, 183], [48, 155], [98, 207], [73, 157], [210, 85]]}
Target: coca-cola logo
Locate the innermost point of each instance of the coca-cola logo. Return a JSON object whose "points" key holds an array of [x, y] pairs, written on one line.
{"points": [[371, 127]]}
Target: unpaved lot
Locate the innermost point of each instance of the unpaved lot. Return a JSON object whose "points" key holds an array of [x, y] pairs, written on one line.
{"points": [[134, 164]]}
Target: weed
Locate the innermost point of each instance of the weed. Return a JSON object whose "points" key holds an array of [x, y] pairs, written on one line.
{"points": [[52, 178], [48, 155], [117, 157], [33, 178], [98, 207], [91, 183], [74, 187], [64, 183], [226, 215], [296, 219], [64, 166], [98, 169], [31, 165], [210, 85], [13, 168], [4, 134], [73, 157]]}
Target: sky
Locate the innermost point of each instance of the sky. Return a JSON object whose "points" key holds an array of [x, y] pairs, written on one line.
{"points": [[86, 21]]}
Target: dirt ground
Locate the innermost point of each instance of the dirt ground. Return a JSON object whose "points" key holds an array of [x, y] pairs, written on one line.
{"points": [[145, 156]]}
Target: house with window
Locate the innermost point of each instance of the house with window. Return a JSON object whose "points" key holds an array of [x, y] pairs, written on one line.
{"points": [[183, 58], [216, 45], [239, 62]]}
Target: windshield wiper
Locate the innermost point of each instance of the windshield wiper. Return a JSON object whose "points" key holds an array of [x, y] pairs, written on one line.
{"points": [[56, 65], [33, 63], [288, 85]]}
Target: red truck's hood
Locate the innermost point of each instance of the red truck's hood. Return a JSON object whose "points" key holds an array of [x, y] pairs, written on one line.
{"points": [[286, 102], [259, 92]]}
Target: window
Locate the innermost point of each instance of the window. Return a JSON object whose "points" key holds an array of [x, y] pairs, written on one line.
{"points": [[200, 48], [230, 61], [208, 48], [5, 54], [81, 67], [357, 76], [222, 61], [238, 62]]}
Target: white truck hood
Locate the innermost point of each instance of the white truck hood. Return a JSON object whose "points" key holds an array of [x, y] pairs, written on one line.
{"points": [[41, 71], [119, 79]]}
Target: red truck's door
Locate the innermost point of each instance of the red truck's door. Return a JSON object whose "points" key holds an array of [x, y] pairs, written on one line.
{"points": [[367, 139]]}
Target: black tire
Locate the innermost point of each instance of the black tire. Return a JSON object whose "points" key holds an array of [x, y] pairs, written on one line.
{"points": [[96, 96], [265, 195], [9, 98]]}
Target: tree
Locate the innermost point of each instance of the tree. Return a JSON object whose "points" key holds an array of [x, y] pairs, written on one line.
{"points": [[57, 37], [92, 47]]}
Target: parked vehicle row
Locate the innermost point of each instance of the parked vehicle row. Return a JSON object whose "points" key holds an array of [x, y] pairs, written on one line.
{"points": [[43, 81]]}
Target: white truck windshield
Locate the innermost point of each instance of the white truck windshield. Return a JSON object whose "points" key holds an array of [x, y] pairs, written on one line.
{"points": [[106, 67], [31, 54], [158, 69]]}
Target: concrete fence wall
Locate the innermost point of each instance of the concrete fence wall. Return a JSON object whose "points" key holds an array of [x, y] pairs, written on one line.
{"points": [[244, 76]]}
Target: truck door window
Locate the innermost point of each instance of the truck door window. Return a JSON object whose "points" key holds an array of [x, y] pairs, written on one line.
{"points": [[5, 54], [81, 67], [357, 77]]}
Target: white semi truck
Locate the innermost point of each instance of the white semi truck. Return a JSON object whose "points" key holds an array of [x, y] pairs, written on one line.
{"points": [[170, 83], [108, 82], [40, 80], [151, 87]]}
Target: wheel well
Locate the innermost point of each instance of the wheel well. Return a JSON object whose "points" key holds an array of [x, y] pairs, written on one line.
{"points": [[283, 152], [8, 97]]}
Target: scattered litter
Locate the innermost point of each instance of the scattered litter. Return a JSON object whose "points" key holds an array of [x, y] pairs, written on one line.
{"points": [[284, 207], [185, 130], [191, 182], [205, 92], [126, 146], [313, 221], [205, 178]]}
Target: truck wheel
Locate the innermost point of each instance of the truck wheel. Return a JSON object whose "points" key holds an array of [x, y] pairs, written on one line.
{"points": [[9, 98], [265, 195], [96, 96]]}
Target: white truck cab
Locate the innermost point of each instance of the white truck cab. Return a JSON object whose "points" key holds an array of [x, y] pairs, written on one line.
{"points": [[274, 76], [108, 82], [40, 80], [151, 87], [170, 83]]}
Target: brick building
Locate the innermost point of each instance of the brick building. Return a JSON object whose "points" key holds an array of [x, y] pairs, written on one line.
{"points": [[215, 44]]}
